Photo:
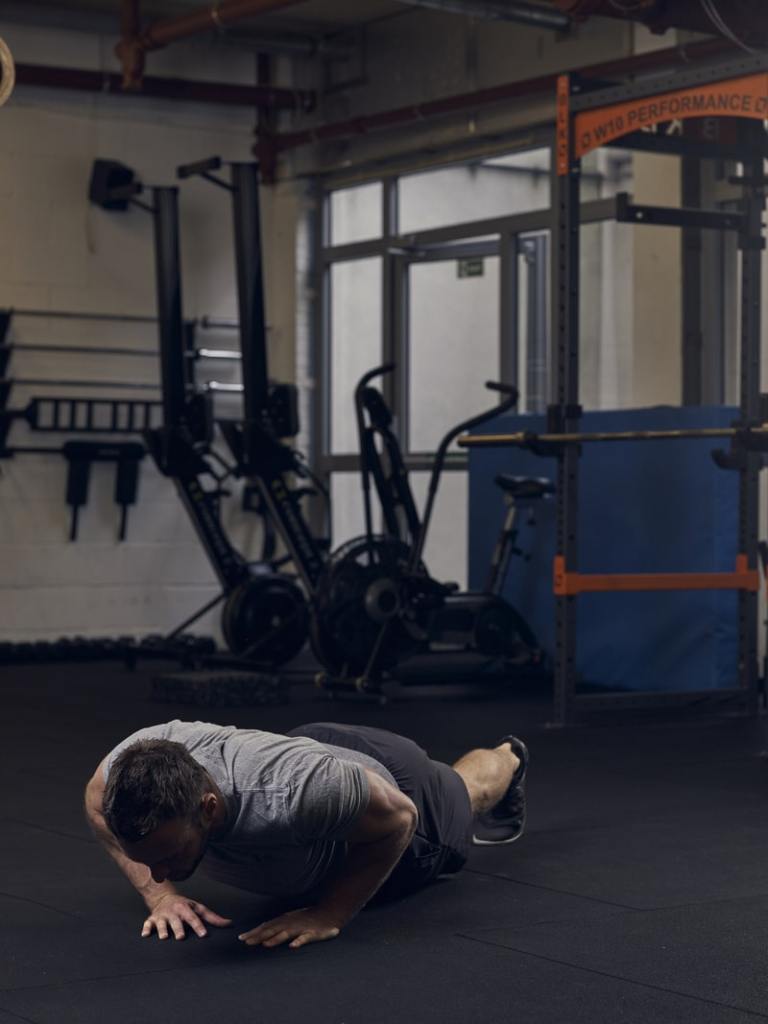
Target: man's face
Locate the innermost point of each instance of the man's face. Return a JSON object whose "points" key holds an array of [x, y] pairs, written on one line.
{"points": [[172, 851]]}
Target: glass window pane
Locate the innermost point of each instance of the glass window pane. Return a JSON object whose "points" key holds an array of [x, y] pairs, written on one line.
{"points": [[446, 551], [356, 214], [355, 342], [453, 346], [605, 172], [445, 554], [606, 316], [533, 300], [497, 187], [591, 262]]}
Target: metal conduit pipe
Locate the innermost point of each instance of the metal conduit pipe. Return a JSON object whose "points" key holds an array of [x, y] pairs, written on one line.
{"points": [[301, 44], [130, 19], [747, 20], [132, 48], [499, 10], [293, 45], [155, 87]]}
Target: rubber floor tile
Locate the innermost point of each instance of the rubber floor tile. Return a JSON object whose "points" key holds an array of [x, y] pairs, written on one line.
{"points": [[349, 981], [641, 866], [40, 946], [714, 951], [11, 1018]]}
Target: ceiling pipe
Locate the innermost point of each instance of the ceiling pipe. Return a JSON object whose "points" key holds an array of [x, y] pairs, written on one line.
{"points": [[81, 80], [130, 19], [524, 13], [653, 61], [743, 21], [292, 44], [131, 49], [80, 19]]}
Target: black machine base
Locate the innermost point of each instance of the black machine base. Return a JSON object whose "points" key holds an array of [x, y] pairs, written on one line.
{"points": [[372, 613], [223, 688], [360, 613]]}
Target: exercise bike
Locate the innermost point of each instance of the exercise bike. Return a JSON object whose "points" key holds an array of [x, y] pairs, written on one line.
{"points": [[377, 605]]}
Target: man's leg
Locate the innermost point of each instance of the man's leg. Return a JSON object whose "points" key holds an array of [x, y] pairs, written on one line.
{"points": [[444, 835], [495, 782], [487, 775]]}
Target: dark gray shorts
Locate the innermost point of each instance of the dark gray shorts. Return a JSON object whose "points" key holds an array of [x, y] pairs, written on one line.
{"points": [[444, 833]]}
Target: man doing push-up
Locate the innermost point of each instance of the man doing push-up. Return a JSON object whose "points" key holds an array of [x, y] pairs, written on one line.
{"points": [[331, 816]]}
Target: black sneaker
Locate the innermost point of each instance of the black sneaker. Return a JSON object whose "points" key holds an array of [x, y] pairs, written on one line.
{"points": [[505, 822]]}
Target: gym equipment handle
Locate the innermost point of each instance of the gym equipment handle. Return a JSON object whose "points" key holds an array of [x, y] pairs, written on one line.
{"points": [[510, 401], [125, 191], [505, 389], [200, 167]]}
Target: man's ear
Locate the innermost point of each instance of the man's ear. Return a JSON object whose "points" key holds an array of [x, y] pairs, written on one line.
{"points": [[208, 806]]}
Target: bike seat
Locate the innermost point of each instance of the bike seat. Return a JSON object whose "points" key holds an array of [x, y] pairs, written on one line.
{"points": [[524, 486]]}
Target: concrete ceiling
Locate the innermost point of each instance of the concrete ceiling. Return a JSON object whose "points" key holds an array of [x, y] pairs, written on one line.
{"points": [[311, 16]]}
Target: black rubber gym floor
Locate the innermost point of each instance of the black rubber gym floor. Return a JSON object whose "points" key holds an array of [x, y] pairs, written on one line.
{"points": [[638, 894]]}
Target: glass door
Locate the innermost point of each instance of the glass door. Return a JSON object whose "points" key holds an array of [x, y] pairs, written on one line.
{"points": [[450, 314]]}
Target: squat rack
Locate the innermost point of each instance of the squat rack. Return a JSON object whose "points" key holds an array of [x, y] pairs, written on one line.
{"points": [[590, 116]]}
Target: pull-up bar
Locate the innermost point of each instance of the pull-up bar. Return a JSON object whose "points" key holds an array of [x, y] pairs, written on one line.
{"points": [[526, 438]]}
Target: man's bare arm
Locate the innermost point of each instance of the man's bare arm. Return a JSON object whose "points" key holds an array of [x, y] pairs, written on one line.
{"points": [[137, 874], [170, 913], [377, 840]]}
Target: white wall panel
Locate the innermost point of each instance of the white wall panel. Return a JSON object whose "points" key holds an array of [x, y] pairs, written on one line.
{"points": [[60, 252]]}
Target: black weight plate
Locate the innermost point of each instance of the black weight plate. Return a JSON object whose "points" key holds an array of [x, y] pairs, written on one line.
{"points": [[266, 618]]}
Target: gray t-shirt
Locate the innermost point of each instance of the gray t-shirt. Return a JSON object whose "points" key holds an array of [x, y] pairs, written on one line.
{"points": [[290, 802]]}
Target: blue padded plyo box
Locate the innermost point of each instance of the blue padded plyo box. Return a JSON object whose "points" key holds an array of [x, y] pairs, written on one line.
{"points": [[644, 506]]}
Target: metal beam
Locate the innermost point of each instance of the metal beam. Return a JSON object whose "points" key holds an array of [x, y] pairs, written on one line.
{"points": [[498, 10], [676, 217], [181, 89]]}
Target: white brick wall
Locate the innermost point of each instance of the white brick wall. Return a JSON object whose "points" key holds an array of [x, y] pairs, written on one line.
{"points": [[58, 252]]}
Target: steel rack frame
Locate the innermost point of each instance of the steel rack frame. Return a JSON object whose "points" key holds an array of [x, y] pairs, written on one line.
{"points": [[589, 117]]}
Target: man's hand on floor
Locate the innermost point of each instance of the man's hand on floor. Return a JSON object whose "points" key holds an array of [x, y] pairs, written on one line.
{"points": [[174, 911], [298, 927]]}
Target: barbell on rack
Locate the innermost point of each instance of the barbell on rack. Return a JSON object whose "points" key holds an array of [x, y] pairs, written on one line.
{"points": [[757, 435]]}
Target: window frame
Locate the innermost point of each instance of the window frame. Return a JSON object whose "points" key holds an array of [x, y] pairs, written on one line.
{"points": [[506, 236]]}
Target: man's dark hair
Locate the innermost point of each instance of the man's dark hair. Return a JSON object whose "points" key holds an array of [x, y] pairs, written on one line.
{"points": [[151, 782]]}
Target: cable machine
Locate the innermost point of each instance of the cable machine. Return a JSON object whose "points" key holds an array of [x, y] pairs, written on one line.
{"points": [[264, 615]]}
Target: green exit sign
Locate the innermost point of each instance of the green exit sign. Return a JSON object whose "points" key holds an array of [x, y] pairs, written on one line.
{"points": [[471, 267]]}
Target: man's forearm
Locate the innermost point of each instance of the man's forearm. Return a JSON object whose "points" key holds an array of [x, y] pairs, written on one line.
{"points": [[138, 875], [366, 868]]}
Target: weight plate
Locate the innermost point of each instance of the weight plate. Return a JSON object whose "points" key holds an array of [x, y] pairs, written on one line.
{"points": [[266, 619]]}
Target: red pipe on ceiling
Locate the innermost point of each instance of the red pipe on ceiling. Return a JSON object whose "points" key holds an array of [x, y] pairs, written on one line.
{"points": [[166, 88], [136, 42], [215, 16]]}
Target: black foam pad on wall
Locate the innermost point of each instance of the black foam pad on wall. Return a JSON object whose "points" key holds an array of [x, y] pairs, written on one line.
{"points": [[107, 175]]}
